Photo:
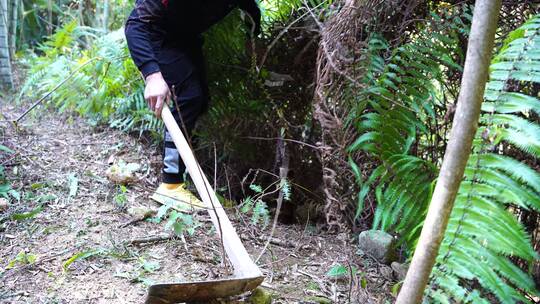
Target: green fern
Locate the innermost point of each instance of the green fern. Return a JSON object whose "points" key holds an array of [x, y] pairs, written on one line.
{"points": [[107, 90], [402, 101], [495, 182], [5, 186], [400, 104]]}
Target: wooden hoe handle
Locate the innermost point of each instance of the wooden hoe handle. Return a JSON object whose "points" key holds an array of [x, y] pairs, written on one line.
{"points": [[236, 252]]}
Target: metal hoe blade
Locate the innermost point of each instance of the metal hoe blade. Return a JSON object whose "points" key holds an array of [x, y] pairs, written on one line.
{"points": [[200, 291], [247, 276]]}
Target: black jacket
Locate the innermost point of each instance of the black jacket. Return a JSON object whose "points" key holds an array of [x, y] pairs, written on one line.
{"points": [[175, 22]]}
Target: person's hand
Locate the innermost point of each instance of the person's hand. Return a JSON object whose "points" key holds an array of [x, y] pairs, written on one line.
{"points": [[156, 93]]}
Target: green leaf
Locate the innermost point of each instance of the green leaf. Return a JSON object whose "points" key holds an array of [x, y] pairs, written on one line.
{"points": [[256, 188], [37, 186], [15, 194], [260, 213], [149, 266], [73, 183], [162, 211], [27, 215], [363, 282], [80, 256], [338, 270], [247, 204], [22, 258], [395, 288], [356, 171], [286, 189], [6, 149]]}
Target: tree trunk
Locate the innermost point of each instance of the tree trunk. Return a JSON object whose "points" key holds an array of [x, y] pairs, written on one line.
{"points": [[464, 128], [80, 10], [6, 78], [14, 9], [106, 16], [50, 17], [22, 40]]}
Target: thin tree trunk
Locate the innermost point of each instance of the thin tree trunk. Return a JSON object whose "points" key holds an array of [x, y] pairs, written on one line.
{"points": [[22, 39], [475, 75], [80, 10], [9, 6], [94, 21], [13, 26], [50, 18], [4, 6], [6, 78], [106, 16]]}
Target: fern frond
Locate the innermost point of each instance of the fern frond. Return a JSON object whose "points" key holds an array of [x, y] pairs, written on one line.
{"points": [[506, 103], [401, 104], [494, 182]]}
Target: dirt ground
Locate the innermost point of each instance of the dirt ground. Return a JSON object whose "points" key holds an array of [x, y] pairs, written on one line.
{"points": [[81, 246]]}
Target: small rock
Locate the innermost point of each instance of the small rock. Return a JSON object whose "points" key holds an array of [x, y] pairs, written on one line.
{"points": [[378, 244], [141, 212], [399, 270], [3, 204], [386, 272], [260, 296]]}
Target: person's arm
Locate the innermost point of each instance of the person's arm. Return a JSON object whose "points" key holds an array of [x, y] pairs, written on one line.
{"points": [[144, 26], [251, 7], [144, 29]]}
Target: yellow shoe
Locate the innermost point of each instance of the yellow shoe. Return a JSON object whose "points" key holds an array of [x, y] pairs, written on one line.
{"points": [[177, 195]]}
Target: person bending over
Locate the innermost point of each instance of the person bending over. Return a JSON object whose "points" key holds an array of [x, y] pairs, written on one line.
{"points": [[164, 40]]}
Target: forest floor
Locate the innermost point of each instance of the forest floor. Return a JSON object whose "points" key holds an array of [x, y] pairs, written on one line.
{"points": [[70, 239]]}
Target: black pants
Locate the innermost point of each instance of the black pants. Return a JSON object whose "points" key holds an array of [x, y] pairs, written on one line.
{"points": [[184, 71]]}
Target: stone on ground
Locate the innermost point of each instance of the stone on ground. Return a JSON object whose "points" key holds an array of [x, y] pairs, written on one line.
{"points": [[399, 270], [379, 245]]}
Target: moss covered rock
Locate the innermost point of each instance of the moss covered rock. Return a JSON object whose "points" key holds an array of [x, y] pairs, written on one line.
{"points": [[260, 296]]}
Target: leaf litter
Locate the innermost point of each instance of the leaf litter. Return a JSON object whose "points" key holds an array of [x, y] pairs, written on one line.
{"points": [[65, 240]]}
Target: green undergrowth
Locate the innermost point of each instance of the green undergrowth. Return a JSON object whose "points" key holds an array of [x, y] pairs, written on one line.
{"points": [[101, 83], [6, 191], [398, 118]]}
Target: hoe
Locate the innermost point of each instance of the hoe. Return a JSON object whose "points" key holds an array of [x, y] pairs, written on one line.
{"points": [[246, 276]]}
